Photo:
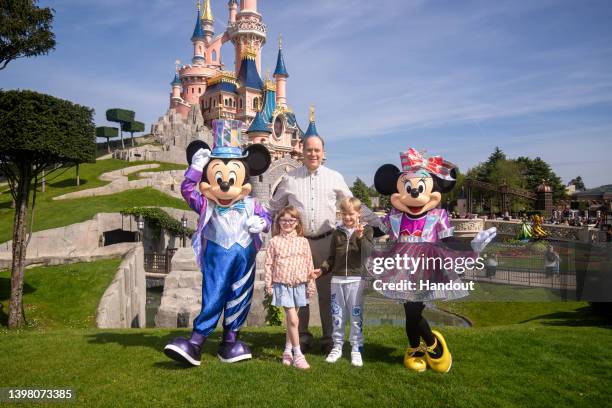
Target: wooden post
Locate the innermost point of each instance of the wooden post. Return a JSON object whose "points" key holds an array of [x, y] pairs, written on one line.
{"points": [[78, 177]]}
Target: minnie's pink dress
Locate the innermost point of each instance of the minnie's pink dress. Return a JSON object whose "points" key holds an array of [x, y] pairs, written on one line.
{"points": [[419, 238]]}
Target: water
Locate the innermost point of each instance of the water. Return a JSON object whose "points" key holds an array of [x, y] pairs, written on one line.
{"points": [[379, 311], [154, 295]]}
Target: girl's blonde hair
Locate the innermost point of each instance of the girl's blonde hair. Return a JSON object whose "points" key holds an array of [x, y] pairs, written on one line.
{"points": [[349, 204], [293, 212]]}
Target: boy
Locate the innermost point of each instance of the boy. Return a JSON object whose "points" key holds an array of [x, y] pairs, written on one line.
{"points": [[344, 263]]}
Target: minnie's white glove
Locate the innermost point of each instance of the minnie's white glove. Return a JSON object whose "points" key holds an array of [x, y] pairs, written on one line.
{"points": [[200, 159], [483, 238], [256, 224]]}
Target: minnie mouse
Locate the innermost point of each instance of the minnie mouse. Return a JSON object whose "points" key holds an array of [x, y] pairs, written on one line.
{"points": [[216, 187], [414, 225]]}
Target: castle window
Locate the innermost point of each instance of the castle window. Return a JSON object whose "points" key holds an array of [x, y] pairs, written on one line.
{"points": [[255, 103], [214, 55], [199, 90], [240, 103], [192, 90], [260, 178]]}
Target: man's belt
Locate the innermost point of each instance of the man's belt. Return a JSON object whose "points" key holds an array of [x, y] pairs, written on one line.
{"points": [[320, 236]]}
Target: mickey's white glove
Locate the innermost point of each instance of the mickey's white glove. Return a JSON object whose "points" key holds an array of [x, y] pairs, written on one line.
{"points": [[256, 224], [482, 239], [200, 159]]}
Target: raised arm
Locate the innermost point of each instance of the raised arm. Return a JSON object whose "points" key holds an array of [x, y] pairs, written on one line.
{"points": [[189, 190]]}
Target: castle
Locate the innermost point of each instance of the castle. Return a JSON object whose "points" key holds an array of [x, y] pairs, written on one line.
{"points": [[204, 90]]}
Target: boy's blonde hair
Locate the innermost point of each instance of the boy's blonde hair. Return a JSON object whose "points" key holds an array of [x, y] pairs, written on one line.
{"points": [[349, 204]]}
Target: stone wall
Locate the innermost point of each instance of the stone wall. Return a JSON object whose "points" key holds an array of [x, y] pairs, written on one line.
{"points": [[124, 301]]}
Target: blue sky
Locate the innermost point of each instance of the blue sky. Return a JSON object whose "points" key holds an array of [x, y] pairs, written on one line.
{"points": [[456, 78]]}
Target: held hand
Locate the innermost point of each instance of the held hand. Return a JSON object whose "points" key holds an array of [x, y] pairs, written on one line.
{"points": [[200, 159], [315, 273], [256, 224], [269, 290], [482, 239]]}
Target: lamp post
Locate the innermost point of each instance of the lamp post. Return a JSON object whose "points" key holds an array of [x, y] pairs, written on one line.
{"points": [[184, 224], [140, 225]]}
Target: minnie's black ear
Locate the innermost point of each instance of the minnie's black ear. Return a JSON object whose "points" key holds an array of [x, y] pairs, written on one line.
{"points": [[194, 147], [258, 159], [385, 179]]}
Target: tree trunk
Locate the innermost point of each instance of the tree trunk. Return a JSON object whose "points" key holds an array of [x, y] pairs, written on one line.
{"points": [[108, 144], [78, 175], [121, 134], [16, 318], [132, 133]]}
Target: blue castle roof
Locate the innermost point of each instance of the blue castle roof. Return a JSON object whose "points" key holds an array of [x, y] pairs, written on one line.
{"points": [[312, 130], [280, 64], [198, 32], [221, 86], [248, 75], [176, 80], [269, 105], [258, 125]]}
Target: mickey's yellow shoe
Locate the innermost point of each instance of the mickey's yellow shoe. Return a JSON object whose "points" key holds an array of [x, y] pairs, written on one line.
{"points": [[443, 363], [414, 359]]}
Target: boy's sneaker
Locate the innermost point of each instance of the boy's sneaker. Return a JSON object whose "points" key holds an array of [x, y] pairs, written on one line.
{"points": [[356, 359], [300, 362], [334, 354]]}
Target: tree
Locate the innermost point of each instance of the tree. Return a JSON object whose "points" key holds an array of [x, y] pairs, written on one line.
{"points": [[121, 116], [578, 183], [133, 127], [360, 191], [536, 170], [37, 132], [25, 30], [107, 132]]}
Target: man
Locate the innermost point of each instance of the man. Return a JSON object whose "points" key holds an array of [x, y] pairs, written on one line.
{"points": [[315, 190]]}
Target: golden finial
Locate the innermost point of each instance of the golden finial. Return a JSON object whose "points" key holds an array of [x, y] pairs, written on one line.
{"points": [[312, 118], [207, 13], [280, 41], [267, 74], [199, 6], [177, 63]]}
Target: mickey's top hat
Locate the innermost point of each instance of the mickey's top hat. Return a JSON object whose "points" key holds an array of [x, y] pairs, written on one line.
{"points": [[226, 139]]}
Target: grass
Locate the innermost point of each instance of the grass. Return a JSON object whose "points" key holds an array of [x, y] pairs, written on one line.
{"points": [[64, 296], [52, 214], [519, 354], [162, 167], [506, 366]]}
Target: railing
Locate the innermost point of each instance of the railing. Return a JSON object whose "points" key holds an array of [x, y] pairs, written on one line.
{"points": [[158, 262]]}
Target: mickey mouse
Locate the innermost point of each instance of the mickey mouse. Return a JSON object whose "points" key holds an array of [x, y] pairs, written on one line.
{"points": [[226, 240], [414, 225]]}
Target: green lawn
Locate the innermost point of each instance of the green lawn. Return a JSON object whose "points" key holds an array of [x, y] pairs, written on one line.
{"points": [[64, 296], [524, 365], [52, 214]]}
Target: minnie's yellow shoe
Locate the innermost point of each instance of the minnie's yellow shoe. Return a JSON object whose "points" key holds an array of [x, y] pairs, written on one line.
{"points": [[443, 363], [414, 359]]}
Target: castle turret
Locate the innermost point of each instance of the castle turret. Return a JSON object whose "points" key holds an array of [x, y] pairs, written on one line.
{"points": [[281, 75], [258, 131], [312, 129], [233, 9], [247, 31], [198, 39], [208, 21], [176, 87], [251, 85]]}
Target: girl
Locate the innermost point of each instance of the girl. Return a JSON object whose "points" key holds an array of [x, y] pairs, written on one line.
{"points": [[289, 277]]}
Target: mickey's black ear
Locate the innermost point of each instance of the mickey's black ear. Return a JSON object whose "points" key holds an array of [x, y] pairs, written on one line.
{"points": [[385, 179], [194, 147], [258, 159]]}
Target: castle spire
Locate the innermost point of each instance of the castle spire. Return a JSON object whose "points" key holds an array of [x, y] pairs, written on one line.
{"points": [[280, 61], [207, 13], [198, 32], [312, 129]]}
